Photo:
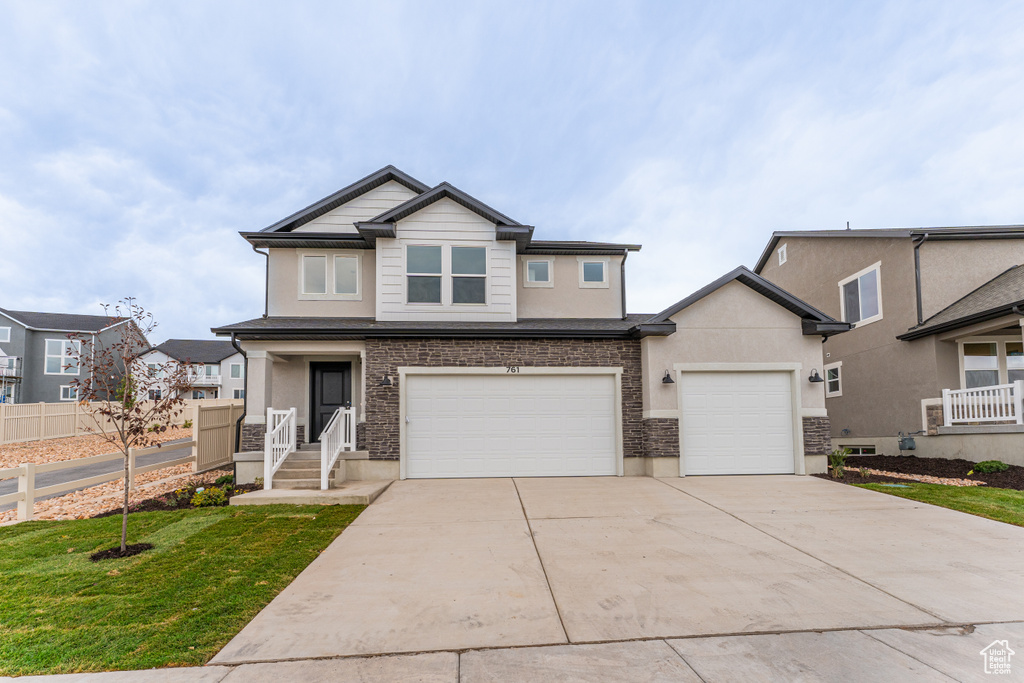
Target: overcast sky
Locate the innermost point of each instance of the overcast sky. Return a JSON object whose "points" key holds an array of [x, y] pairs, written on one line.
{"points": [[138, 138]]}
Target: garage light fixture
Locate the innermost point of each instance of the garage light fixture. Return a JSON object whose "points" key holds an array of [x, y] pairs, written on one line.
{"points": [[667, 379], [815, 377], [386, 382]]}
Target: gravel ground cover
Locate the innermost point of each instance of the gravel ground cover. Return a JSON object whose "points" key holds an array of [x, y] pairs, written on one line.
{"points": [[942, 468], [70, 448]]}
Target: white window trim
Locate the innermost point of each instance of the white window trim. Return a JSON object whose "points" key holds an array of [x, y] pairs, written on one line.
{"points": [[329, 279], [486, 275], [604, 284], [241, 371], [446, 276], [5, 335], [64, 360], [877, 266], [1001, 364], [70, 389], [527, 260], [782, 254], [238, 393], [838, 365]]}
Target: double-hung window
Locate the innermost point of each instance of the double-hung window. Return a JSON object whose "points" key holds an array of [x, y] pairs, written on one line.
{"points": [[423, 274], [212, 370], [988, 362], [236, 371], [860, 296], [61, 357], [469, 275], [328, 276], [834, 379]]}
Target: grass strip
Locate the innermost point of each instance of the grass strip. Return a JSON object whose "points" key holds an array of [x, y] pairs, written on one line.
{"points": [[1002, 505]]}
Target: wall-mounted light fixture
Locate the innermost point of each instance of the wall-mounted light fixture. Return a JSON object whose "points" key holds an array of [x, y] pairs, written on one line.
{"points": [[667, 379], [386, 382], [815, 377]]}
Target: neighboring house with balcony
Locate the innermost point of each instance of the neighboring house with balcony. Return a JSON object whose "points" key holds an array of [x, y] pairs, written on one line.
{"points": [[937, 341], [36, 356], [414, 331], [217, 369]]}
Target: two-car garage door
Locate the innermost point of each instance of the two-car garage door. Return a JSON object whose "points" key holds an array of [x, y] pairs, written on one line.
{"points": [[510, 425]]}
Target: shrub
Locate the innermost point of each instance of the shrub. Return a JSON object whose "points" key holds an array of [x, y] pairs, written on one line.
{"points": [[837, 462], [187, 424], [990, 466], [864, 472], [226, 480], [210, 497], [258, 482]]}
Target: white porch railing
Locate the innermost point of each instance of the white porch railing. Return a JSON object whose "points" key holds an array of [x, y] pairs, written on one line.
{"points": [[999, 403], [339, 435], [278, 443]]}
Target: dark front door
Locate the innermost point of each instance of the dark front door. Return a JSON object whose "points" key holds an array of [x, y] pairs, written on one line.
{"points": [[330, 388]]}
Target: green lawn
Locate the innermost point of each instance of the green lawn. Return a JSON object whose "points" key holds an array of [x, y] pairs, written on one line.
{"points": [[211, 571], [1004, 505]]}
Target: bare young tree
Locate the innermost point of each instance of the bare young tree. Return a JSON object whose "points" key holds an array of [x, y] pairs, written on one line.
{"points": [[129, 403]]}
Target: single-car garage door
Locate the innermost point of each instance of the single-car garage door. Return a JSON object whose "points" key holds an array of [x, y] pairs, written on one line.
{"points": [[510, 425], [737, 423]]}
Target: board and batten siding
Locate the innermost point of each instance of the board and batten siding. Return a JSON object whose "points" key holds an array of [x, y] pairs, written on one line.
{"points": [[446, 223], [362, 208]]}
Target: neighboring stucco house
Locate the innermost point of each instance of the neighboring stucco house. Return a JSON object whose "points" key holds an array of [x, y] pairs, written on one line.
{"points": [[937, 315], [218, 369], [36, 355], [467, 348]]}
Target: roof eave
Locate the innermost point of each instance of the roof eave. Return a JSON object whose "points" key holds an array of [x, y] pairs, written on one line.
{"points": [[990, 314]]}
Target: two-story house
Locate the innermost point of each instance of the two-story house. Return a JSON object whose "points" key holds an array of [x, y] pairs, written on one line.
{"points": [[936, 344], [216, 368], [37, 360], [458, 345]]}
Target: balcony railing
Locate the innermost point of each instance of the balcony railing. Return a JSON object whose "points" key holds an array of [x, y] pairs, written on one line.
{"points": [[999, 403], [200, 379], [10, 366]]}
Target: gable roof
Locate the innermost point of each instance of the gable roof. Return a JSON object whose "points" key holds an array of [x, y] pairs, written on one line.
{"points": [[345, 195], [196, 350], [1002, 295], [62, 322], [964, 232], [384, 224], [814, 321]]}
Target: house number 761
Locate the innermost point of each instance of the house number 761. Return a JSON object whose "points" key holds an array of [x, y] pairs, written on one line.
{"points": [[512, 368]]}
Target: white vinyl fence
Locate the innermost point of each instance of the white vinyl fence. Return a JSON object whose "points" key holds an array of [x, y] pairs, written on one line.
{"points": [[212, 445], [36, 421]]}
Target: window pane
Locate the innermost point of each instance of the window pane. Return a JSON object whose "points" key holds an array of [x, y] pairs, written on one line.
{"points": [[424, 290], [593, 272], [53, 365], [1014, 375], [851, 302], [236, 372], [981, 378], [832, 373], [833, 386], [537, 271], [869, 294], [212, 370], [423, 259], [469, 260], [53, 347], [314, 274], [981, 356], [469, 290], [345, 275], [1014, 355]]}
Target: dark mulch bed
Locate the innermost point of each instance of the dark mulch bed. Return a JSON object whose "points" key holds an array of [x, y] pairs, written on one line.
{"points": [[177, 500], [129, 550], [1013, 478], [852, 476]]}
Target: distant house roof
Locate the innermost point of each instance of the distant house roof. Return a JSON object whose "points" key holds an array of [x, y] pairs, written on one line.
{"points": [[62, 322], [635, 325], [196, 350], [998, 297], [814, 321], [967, 232]]}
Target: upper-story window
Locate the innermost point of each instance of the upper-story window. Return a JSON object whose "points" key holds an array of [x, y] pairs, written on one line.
{"points": [[593, 272], [464, 273], [782, 254], [328, 276], [5, 335], [860, 296], [538, 272], [237, 370], [61, 357], [212, 370], [154, 370]]}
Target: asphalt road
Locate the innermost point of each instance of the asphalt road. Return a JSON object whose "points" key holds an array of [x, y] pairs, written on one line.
{"points": [[168, 452]]}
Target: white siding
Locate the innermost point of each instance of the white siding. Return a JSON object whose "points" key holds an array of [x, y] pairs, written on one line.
{"points": [[446, 223], [362, 208]]}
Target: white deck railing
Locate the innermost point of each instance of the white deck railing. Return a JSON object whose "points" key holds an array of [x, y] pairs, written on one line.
{"points": [[279, 442], [999, 403], [339, 435]]}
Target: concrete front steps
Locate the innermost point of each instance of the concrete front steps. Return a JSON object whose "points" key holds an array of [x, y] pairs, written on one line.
{"points": [[301, 470], [345, 493]]}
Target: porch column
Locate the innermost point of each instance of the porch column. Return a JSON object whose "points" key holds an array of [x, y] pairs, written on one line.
{"points": [[259, 387]]}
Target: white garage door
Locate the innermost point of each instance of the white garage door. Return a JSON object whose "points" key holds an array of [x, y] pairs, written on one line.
{"points": [[737, 422], [510, 425]]}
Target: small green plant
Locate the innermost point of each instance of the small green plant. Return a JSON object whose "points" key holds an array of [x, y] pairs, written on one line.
{"points": [[187, 424], [837, 462], [226, 480], [155, 427], [258, 482], [989, 466], [210, 497], [863, 472]]}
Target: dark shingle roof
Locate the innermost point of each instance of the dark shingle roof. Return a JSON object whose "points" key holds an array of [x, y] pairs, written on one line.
{"points": [[368, 327], [994, 299], [197, 350], [65, 322]]}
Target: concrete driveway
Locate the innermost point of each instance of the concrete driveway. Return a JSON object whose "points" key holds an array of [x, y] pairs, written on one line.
{"points": [[456, 565]]}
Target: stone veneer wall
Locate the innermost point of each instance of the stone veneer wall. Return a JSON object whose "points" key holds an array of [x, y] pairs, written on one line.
{"points": [[935, 419], [661, 437], [817, 436], [385, 356], [253, 436]]}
